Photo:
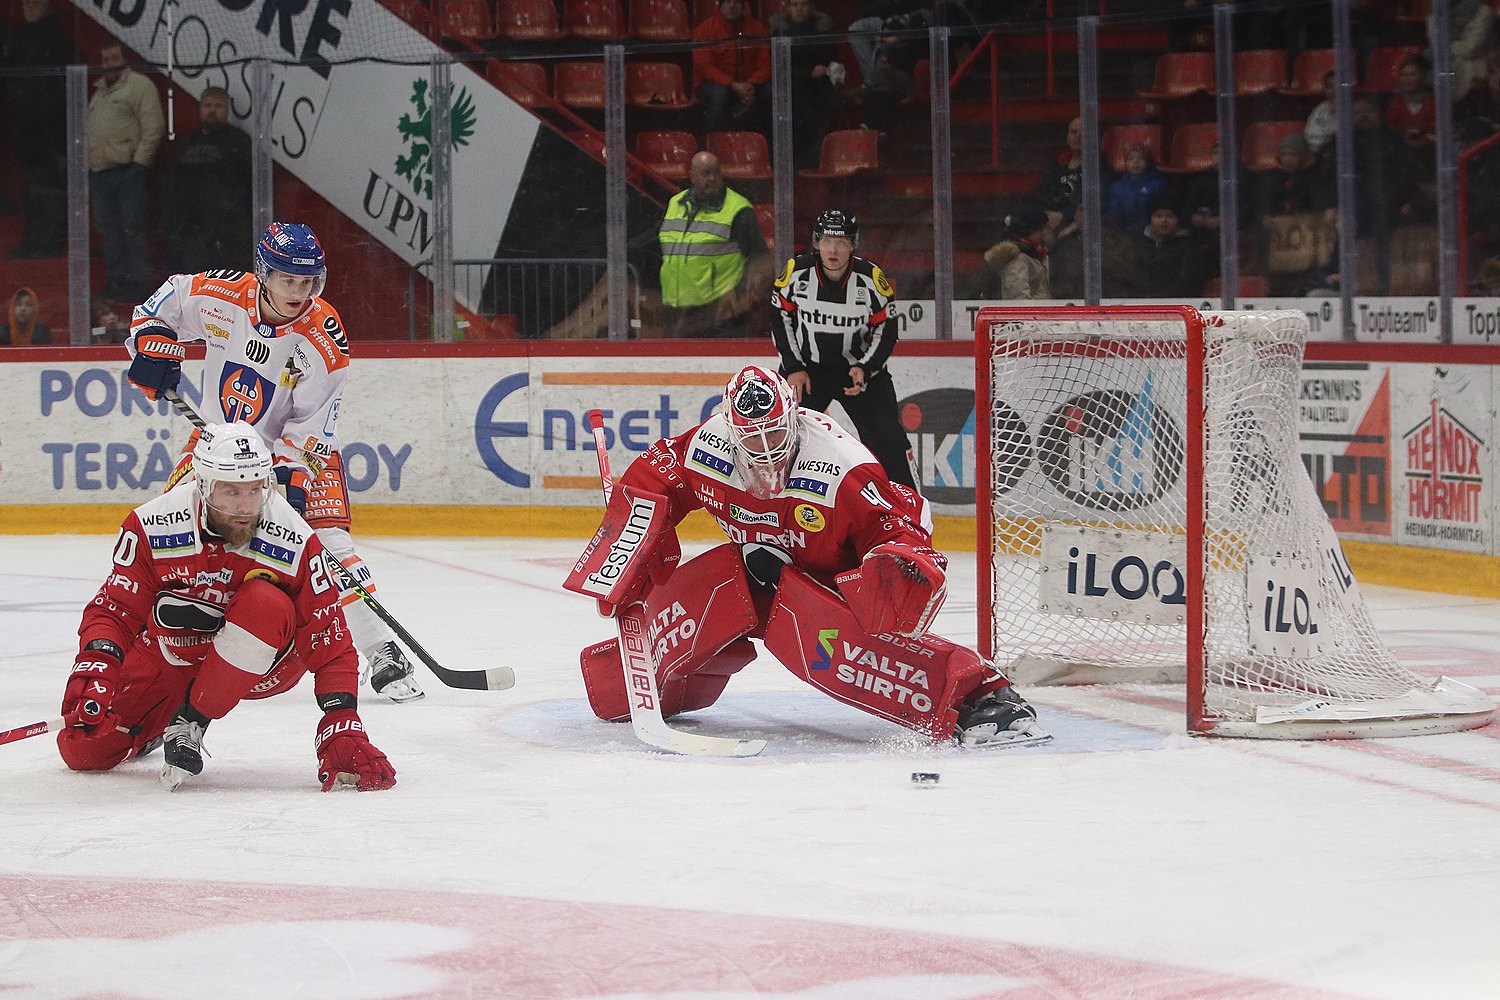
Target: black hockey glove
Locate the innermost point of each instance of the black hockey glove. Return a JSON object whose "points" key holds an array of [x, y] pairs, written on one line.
{"points": [[158, 361], [295, 495]]}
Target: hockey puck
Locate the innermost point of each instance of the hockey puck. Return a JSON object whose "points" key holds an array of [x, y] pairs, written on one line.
{"points": [[924, 779]]}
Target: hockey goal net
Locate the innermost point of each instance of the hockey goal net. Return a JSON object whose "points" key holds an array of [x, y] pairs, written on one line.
{"points": [[1144, 516]]}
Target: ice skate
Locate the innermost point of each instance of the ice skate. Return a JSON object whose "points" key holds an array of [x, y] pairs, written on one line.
{"points": [[182, 746], [997, 720], [391, 674]]}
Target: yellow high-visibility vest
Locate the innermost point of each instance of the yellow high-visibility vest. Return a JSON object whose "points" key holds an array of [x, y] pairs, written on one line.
{"points": [[700, 260]]}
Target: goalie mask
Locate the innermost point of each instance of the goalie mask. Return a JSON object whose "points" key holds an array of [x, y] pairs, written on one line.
{"points": [[233, 454], [291, 248], [762, 415]]}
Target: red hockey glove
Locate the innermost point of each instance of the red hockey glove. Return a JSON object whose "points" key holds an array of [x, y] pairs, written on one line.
{"points": [[92, 685], [158, 361], [347, 757], [896, 589]]}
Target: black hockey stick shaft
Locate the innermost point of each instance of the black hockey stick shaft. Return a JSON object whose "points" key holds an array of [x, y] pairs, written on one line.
{"points": [[494, 679]]}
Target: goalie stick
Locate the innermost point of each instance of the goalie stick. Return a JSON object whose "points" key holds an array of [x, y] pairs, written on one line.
{"points": [[493, 679], [640, 662]]}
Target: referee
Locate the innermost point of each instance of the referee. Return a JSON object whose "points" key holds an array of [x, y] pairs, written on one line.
{"points": [[833, 320]]}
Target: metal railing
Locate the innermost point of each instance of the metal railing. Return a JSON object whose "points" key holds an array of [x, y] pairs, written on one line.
{"points": [[539, 292]]}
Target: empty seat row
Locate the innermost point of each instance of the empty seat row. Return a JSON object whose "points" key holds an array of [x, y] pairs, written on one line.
{"points": [[598, 20], [745, 156], [580, 84], [1192, 146], [1263, 71]]}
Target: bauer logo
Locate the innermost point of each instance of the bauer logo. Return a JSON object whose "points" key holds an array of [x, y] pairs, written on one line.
{"points": [[1111, 449], [1113, 575], [603, 580]]}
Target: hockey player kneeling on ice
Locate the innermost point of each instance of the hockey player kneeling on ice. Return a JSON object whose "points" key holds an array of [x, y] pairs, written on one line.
{"points": [[830, 565], [276, 357], [219, 592]]}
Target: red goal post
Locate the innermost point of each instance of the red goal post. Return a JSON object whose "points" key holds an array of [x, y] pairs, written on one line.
{"points": [[1144, 516]]}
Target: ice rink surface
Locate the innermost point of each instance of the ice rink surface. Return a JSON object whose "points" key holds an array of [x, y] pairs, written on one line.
{"points": [[532, 852]]}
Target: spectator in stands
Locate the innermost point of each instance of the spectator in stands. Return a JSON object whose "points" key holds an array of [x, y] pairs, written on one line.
{"points": [[107, 326], [207, 203], [1017, 264], [1297, 185], [1198, 196], [125, 129], [883, 91], [732, 80], [21, 328], [1060, 189], [815, 72], [1323, 122], [1471, 31], [39, 120], [1134, 191], [1388, 188], [1067, 255], [1166, 258], [1410, 113], [866, 31]]}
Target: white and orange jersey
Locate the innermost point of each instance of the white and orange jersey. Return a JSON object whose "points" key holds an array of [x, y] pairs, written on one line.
{"points": [[285, 380]]}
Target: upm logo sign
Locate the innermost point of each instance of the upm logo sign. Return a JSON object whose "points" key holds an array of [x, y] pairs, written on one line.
{"points": [[1113, 574]]}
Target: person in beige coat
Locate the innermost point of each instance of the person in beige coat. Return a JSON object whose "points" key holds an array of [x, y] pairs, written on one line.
{"points": [[1019, 260], [125, 126]]}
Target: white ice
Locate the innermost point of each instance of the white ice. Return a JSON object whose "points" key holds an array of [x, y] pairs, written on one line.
{"points": [[530, 851]]}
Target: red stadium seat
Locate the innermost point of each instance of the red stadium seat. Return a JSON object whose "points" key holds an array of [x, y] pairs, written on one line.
{"points": [[597, 20], [465, 19], [660, 20], [656, 85], [1259, 71], [523, 82], [579, 84], [742, 155], [847, 152], [1259, 141], [1192, 149], [667, 153], [1308, 72], [1251, 286], [1114, 140], [1182, 74], [528, 20]]}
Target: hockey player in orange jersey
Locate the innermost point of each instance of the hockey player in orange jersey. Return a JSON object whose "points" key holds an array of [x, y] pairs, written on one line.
{"points": [[277, 359]]}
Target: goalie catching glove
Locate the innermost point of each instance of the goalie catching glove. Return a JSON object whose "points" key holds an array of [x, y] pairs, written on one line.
{"points": [[345, 754], [634, 549], [897, 589], [157, 366]]}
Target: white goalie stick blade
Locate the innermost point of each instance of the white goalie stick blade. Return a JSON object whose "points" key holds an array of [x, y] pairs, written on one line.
{"points": [[645, 698]]}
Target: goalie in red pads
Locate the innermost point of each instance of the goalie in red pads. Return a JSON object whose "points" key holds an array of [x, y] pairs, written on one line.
{"points": [[829, 564]]}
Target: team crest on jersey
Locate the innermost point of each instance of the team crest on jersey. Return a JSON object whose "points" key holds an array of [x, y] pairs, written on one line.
{"points": [[786, 274], [244, 395], [809, 518]]}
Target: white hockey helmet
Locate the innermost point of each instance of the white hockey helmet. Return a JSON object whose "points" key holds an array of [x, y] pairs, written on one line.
{"points": [[230, 453], [761, 411]]}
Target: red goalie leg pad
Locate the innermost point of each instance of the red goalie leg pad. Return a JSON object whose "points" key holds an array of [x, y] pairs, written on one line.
{"points": [[257, 631], [694, 619], [917, 683]]}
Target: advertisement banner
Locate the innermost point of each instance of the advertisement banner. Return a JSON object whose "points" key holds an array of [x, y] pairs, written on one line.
{"points": [[1443, 456], [1343, 430]]}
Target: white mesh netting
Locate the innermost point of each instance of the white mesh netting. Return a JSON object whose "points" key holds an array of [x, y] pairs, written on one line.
{"points": [[1088, 460]]}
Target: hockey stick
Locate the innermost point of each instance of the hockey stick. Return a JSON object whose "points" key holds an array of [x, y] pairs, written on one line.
{"points": [[640, 663], [35, 729], [493, 679]]}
